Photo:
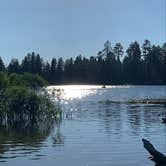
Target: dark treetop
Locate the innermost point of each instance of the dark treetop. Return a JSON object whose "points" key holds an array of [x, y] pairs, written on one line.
{"points": [[145, 64]]}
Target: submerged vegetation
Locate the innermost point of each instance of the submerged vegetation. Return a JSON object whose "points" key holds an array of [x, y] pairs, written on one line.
{"points": [[21, 104]]}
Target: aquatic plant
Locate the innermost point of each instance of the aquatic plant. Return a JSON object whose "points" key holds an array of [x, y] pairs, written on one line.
{"points": [[20, 102]]}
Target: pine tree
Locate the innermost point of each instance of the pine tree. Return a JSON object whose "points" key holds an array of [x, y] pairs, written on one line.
{"points": [[14, 66], [2, 66]]}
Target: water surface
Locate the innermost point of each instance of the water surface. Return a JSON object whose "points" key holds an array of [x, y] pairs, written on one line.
{"points": [[92, 132]]}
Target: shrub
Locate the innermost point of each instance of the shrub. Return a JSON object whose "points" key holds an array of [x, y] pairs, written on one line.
{"points": [[19, 99], [20, 104], [3, 81], [32, 81]]}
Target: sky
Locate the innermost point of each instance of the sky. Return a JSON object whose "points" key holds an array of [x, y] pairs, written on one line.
{"points": [[67, 28]]}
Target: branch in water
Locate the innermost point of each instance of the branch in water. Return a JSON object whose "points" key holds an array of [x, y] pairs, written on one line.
{"points": [[157, 157]]}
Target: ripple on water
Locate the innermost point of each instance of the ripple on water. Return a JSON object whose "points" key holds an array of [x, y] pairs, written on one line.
{"points": [[98, 133]]}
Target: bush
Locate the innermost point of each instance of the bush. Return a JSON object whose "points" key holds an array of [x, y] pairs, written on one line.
{"points": [[3, 81], [15, 80], [20, 104], [20, 99], [32, 81]]}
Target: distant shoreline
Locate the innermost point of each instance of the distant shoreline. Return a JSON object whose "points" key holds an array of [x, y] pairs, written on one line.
{"points": [[86, 84]]}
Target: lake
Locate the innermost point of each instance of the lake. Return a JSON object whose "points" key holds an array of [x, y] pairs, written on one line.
{"points": [[93, 131]]}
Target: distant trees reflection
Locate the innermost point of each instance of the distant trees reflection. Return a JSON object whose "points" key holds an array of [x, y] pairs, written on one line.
{"points": [[135, 118]]}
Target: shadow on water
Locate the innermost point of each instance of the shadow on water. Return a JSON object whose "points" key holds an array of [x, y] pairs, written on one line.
{"points": [[19, 141]]}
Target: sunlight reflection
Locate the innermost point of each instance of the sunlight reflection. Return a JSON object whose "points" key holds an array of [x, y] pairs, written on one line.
{"points": [[75, 91], [70, 92]]}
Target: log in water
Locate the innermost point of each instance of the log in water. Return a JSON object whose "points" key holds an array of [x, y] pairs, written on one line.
{"points": [[139, 101], [157, 157]]}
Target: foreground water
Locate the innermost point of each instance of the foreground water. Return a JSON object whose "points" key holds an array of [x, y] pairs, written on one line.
{"points": [[93, 131]]}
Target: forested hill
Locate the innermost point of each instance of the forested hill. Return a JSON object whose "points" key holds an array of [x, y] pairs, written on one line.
{"points": [[139, 64]]}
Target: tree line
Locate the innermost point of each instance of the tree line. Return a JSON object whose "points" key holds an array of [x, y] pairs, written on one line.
{"points": [[139, 64]]}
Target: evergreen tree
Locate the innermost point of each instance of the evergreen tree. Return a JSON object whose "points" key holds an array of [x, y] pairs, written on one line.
{"points": [[132, 64], [155, 65], [69, 71], [53, 71], [25, 65], [46, 72], [14, 66], [146, 49], [118, 50], [164, 63], [60, 69], [38, 64], [2, 66]]}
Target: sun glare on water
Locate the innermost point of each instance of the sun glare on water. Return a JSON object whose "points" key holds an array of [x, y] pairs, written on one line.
{"points": [[70, 92]]}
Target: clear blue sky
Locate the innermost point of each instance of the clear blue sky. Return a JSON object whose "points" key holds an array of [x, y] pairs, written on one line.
{"points": [[66, 28]]}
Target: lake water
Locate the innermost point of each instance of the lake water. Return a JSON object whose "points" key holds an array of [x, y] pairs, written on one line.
{"points": [[92, 131]]}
